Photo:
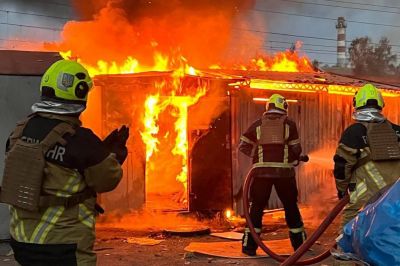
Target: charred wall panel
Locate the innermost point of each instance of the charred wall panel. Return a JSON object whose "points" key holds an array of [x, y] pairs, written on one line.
{"points": [[210, 167]]}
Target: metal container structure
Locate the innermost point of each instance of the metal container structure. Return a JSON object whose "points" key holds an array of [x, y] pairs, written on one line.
{"points": [[320, 104]]}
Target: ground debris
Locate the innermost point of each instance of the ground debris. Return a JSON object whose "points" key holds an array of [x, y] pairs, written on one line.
{"points": [[189, 255], [143, 241]]}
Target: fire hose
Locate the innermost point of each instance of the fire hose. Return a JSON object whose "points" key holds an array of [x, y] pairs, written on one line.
{"points": [[293, 259]]}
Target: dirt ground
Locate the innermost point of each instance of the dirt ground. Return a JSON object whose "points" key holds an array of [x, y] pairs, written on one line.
{"points": [[113, 248]]}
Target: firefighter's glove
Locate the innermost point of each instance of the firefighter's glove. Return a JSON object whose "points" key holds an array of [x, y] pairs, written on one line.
{"points": [[116, 143], [341, 194], [111, 139]]}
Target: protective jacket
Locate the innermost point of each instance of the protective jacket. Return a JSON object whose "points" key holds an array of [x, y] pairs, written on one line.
{"points": [[273, 143], [64, 231], [365, 162]]}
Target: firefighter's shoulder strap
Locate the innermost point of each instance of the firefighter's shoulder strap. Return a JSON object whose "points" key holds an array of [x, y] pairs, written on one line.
{"points": [[272, 130], [382, 142]]}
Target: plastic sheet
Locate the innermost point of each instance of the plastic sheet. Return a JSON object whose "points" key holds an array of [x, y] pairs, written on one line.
{"points": [[374, 235]]}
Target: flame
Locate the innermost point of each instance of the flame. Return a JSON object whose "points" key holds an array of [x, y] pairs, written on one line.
{"points": [[228, 214], [154, 106], [132, 65], [286, 61]]}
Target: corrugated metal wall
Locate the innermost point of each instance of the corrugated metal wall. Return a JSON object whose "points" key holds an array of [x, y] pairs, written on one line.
{"points": [[321, 119]]}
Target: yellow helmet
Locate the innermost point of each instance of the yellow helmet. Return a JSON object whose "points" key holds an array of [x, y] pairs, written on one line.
{"points": [[277, 101], [66, 80], [368, 96]]}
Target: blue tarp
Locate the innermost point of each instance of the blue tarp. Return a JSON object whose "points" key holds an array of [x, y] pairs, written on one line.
{"points": [[374, 235]]}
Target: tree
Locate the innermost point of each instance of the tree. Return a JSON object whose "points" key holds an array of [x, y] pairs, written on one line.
{"points": [[369, 59]]}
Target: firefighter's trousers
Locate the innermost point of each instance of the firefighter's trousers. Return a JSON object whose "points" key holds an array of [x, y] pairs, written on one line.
{"points": [[260, 192]]}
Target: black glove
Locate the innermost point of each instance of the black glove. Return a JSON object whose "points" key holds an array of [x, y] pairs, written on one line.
{"points": [[111, 139], [116, 143], [123, 135], [341, 194]]}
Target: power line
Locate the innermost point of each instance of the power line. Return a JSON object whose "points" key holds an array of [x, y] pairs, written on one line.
{"points": [[287, 34], [301, 36], [346, 7], [301, 49], [324, 18], [30, 26], [358, 3], [332, 52], [310, 52], [303, 44], [33, 14]]}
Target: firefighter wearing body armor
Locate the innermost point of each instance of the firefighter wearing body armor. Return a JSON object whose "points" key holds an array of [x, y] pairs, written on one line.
{"points": [[54, 168], [367, 159], [274, 145]]}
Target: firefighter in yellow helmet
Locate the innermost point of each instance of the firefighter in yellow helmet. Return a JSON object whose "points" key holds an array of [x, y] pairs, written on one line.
{"points": [[274, 145], [54, 168], [367, 158]]}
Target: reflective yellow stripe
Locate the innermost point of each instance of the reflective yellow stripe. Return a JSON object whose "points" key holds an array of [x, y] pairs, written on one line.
{"points": [[286, 154], [22, 231], [86, 216], [18, 226], [286, 149], [14, 225], [260, 149], [361, 189], [247, 230], [296, 230], [374, 174], [52, 214], [273, 164], [294, 142], [287, 132], [247, 140], [51, 221]]}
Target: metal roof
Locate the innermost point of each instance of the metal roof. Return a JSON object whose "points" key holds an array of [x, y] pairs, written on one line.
{"points": [[315, 78]]}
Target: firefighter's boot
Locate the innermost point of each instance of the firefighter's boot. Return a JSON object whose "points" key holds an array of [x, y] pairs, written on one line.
{"points": [[249, 246], [297, 237]]}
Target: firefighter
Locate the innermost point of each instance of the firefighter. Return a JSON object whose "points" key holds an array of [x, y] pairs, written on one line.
{"points": [[274, 145], [54, 168], [367, 158]]}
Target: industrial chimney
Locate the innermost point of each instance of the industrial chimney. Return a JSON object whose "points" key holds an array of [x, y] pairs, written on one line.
{"points": [[341, 42]]}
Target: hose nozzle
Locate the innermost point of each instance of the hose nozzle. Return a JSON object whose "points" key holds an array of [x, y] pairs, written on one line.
{"points": [[304, 158]]}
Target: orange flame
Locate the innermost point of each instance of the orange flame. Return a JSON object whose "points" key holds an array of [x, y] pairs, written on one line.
{"points": [[154, 106]]}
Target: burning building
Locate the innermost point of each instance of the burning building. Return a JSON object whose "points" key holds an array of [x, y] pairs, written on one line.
{"points": [[183, 150]]}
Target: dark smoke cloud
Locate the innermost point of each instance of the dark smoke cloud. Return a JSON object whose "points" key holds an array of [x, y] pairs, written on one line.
{"points": [[136, 9]]}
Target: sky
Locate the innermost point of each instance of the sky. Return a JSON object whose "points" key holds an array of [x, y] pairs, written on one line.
{"points": [[268, 15]]}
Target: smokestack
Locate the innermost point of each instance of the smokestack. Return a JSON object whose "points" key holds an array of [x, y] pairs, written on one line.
{"points": [[341, 42]]}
